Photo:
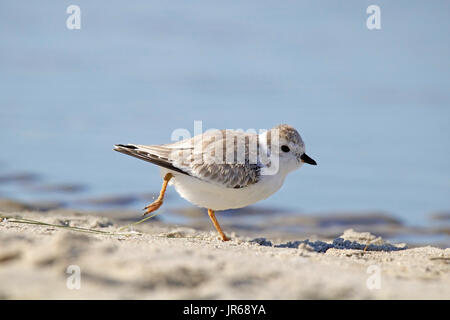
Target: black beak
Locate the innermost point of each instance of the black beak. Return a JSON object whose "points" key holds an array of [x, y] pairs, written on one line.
{"points": [[306, 159]]}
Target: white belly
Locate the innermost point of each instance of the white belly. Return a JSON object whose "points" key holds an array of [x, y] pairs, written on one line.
{"points": [[215, 197]]}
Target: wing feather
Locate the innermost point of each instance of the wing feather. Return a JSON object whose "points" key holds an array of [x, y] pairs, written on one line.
{"points": [[206, 157]]}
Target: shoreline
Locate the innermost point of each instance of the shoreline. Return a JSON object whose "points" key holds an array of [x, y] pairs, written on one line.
{"points": [[257, 221]]}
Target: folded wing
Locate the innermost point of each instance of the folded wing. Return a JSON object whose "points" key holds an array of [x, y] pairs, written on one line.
{"points": [[211, 157]]}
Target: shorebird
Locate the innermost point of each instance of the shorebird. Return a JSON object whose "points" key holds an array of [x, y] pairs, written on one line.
{"points": [[224, 169]]}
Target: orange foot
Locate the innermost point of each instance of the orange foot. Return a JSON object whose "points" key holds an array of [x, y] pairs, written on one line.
{"points": [[217, 225], [224, 237], [152, 207], [158, 202]]}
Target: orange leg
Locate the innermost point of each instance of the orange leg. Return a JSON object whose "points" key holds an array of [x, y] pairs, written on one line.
{"points": [[158, 202], [217, 225]]}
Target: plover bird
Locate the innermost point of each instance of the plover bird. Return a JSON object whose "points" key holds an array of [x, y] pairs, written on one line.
{"points": [[224, 169]]}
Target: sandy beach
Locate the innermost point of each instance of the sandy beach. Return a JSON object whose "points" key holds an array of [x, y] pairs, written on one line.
{"points": [[156, 260]]}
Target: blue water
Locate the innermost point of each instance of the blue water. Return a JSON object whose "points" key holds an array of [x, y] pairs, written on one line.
{"points": [[372, 106]]}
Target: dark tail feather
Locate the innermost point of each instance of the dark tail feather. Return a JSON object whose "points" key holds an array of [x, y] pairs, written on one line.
{"points": [[134, 151], [127, 146]]}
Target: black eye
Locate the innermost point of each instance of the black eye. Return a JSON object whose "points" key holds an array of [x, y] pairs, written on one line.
{"points": [[285, 148]]}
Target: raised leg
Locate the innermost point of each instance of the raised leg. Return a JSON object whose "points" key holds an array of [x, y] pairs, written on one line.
{"points": [[158, 202], [217, 225]]}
